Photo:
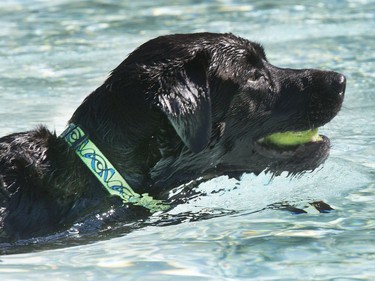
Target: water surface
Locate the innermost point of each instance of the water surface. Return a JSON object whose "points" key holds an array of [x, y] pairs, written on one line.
{"points": [[54, 53]]}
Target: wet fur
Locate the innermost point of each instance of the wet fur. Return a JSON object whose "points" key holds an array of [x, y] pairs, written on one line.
{"points": [[179, 108]]}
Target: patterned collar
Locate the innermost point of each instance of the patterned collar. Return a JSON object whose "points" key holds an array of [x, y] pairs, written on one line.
{"points": [[105, 172]]}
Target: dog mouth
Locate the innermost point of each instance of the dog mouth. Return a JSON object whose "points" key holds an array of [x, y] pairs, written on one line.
{"points": [[292, 144]]}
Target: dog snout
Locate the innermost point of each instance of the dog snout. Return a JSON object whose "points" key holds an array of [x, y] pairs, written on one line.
{"points": [[328, 85]]}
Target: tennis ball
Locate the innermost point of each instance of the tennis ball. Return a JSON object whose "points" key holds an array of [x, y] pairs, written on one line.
{"points": [[293, 138]]}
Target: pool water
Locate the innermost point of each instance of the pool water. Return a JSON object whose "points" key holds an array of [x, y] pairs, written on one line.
{"points": [[54, 53]]}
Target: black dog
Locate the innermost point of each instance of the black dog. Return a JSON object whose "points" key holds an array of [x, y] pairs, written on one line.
{"points": [[180, 107]]}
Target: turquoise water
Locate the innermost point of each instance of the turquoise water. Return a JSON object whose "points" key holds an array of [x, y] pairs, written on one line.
{"points": [[53, 53]]}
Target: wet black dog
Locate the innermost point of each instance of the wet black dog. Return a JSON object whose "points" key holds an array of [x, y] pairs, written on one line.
{"points": [[180, 107]]}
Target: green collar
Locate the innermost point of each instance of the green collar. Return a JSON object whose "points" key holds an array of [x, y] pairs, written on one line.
{"points": [[105, 172]]}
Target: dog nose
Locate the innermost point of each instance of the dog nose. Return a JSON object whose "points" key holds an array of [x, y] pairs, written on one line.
{"points": [[339, 84]]}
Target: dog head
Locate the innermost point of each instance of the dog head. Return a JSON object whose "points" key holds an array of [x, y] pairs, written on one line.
{"points": [[219, 98]]}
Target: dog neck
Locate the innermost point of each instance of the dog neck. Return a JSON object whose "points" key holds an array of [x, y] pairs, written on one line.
{"points": [[105, 172], [122, 132]]}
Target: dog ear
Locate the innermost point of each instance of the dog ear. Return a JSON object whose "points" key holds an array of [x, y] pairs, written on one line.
{"points": [[185, 100]]}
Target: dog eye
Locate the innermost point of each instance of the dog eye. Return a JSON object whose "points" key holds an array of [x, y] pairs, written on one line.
{"points": [[254, 76]]}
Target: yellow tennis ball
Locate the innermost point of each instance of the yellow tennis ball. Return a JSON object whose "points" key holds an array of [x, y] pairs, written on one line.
{"points": [[293, 138]]}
